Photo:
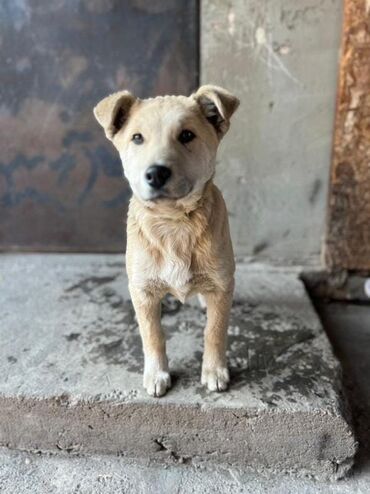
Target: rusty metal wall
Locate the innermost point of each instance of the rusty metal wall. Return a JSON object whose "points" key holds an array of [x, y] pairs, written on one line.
{"points": [[61, 185], [348, 235]]}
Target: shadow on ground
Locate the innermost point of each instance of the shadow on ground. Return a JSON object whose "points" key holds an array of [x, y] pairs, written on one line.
{"points": [[348, 328]]}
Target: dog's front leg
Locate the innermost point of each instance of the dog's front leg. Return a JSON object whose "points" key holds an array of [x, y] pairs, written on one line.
{"points": [[215, 374], [148, 312]]}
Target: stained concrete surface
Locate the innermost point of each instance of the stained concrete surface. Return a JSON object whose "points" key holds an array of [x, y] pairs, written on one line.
{"points": [[71, 363], [349, 330], [348, 326], [23, 473], [281, 59]]}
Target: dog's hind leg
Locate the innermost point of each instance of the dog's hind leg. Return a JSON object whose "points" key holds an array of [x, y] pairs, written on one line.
{"points": [[148, 312]]}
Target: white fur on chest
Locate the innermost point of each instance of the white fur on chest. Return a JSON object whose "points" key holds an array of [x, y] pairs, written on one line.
{"points": [[172, 272], [176, 274]]}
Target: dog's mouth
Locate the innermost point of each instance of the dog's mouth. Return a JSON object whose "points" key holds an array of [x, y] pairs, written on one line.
{"points": [[158, 195], [163, 194]]}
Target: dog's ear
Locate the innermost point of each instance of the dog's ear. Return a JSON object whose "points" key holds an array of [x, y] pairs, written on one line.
{"points": [[113, 111], [217, 105]]}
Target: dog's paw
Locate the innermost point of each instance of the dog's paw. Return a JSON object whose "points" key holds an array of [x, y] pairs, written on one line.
{"points": [[157, 382], [216, 379]]}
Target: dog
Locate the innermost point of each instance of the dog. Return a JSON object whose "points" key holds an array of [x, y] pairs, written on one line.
{"points": [[178, 238]]}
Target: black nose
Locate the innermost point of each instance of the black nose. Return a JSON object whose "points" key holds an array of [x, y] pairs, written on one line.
{"points": [[157, 176]]}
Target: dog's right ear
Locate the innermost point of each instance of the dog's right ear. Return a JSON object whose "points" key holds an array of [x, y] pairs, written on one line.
{"points": [[113, 111]]}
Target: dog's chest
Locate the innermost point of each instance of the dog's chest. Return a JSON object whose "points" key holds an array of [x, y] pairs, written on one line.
{"points": [[174, 268], [176, 259], [183, 279], [176, 274]]}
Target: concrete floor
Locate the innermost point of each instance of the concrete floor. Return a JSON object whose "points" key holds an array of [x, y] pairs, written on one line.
{"points": [[348, 327], [23, 473], [72, 374]]}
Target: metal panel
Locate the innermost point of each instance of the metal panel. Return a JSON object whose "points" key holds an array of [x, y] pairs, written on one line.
{"points": [[348, 238], [61, 185]]}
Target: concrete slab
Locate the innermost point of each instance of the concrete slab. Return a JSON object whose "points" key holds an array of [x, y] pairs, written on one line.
{"points": [[71, 363]]}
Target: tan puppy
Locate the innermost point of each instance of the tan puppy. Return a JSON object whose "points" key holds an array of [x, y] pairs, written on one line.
{"points": [[178, 238]]}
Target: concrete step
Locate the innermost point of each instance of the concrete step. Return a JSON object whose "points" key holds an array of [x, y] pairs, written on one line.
{"points": [[71, 362]]}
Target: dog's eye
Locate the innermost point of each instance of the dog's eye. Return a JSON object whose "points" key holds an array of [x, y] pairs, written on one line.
{"points": [[138, 138], [186, 136]]}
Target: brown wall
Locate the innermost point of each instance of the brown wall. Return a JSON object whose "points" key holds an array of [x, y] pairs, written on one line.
{"points": [[348, 236]]}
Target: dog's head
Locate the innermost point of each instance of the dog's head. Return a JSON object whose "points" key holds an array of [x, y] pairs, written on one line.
{"points": [[167, 144]]}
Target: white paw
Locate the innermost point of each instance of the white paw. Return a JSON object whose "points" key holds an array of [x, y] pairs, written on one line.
{"points": [[157, 382], [216, 379]]}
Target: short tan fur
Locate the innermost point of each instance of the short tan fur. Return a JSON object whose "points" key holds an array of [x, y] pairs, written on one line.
{"points": [[178, 238]]}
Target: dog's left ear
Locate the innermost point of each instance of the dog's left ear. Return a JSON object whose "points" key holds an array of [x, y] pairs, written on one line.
{"points": [[217, 105], [113, 111]]}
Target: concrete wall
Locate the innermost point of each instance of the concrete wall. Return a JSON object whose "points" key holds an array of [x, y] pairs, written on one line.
{"points": [[281, 58]]}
